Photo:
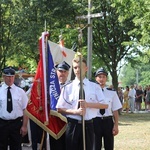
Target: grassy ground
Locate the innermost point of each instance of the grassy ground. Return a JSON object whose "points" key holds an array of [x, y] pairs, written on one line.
{"points": [[134, 132]]}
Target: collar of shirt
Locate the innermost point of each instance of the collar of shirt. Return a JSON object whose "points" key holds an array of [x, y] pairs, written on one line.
{"points": [[60, 83], [104, 88], [6, 86], [77, 81]]}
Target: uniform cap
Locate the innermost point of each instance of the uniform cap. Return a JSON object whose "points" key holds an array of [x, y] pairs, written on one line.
{"points": [[100, 71], [9, 71], [63, 66]]}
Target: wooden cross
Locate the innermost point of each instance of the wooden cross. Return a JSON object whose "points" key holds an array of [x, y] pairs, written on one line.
{"points": [[90, 36]]}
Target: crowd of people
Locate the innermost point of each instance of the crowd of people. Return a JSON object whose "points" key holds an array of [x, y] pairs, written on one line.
{"points": [[133, 97], [93, 101]]}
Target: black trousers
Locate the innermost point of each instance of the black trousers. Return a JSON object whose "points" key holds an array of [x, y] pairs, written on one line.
{"points": [[103, 129], [36, 135], [58, 144], [10, 134], [74, 135]]}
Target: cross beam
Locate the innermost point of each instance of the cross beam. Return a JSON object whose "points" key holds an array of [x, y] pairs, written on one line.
{"points": [[90, 16], [90, 36]]}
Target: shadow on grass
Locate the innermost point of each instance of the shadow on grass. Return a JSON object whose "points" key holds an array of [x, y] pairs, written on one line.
{"points": [[125, 124], [128, 119]]}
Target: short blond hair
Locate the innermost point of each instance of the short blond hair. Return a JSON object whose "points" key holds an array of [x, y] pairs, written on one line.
{"points": [[77, 59]]}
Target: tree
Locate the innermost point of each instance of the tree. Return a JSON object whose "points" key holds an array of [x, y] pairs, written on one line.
{"points": [[138, 75], [113, 37], [140, 11], [128, 75], [25, 22], [108, 36], [5, 31]]}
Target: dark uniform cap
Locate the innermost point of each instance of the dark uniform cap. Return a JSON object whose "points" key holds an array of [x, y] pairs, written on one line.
{"points": [[100, 71], [9, 71], [63, 66]]}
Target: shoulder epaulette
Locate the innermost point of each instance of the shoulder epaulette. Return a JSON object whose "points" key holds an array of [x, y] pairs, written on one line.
{"points": [[110, 89], [68, 83]]}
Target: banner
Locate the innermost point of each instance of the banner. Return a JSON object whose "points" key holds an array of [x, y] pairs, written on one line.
{"points": [[57, 51], [45, 93]]}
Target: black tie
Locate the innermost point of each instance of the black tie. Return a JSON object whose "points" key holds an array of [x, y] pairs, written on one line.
{"points": [[102, 111], [81, 95], [9, 100]]}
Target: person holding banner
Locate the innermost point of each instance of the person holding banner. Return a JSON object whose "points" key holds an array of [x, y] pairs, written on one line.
{"points": [[62, 70], [106, 122], [74, 108], [13, 121]]}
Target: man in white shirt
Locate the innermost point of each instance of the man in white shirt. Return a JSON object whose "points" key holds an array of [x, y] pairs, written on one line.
{"points": [[13, 121], [106, 122], [74, 107], [131, 95], [62, 70]]}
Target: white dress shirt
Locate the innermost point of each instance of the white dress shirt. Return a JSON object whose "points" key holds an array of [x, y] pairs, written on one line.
{"points": [[19, 100], [70, 95], [132, 93], [112, 99]]}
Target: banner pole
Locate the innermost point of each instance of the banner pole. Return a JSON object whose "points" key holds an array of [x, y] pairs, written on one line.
{"points": [[81, 85]]}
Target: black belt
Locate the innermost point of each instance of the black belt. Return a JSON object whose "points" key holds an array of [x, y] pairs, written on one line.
{"points": [[11, 120], [105, 117], [79, 121]]}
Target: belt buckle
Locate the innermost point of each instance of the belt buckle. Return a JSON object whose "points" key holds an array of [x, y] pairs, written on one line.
{"points": [[102, 117]]}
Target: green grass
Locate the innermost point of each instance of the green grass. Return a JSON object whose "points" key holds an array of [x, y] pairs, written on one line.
{"points": [[134, 132]]}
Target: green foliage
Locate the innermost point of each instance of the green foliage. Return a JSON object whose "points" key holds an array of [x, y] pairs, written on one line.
{"points": [[128, 75], [25, 20], [140, 13], [133, 73], [109, 35], [117, 35]]}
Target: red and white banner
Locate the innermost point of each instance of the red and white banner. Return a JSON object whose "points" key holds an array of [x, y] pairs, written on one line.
{"points": [[39, 105], [58, 56]]}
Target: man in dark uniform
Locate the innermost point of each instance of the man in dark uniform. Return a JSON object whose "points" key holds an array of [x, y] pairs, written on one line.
{"points": [[106, 122], [13, 121], [62, 70]]}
